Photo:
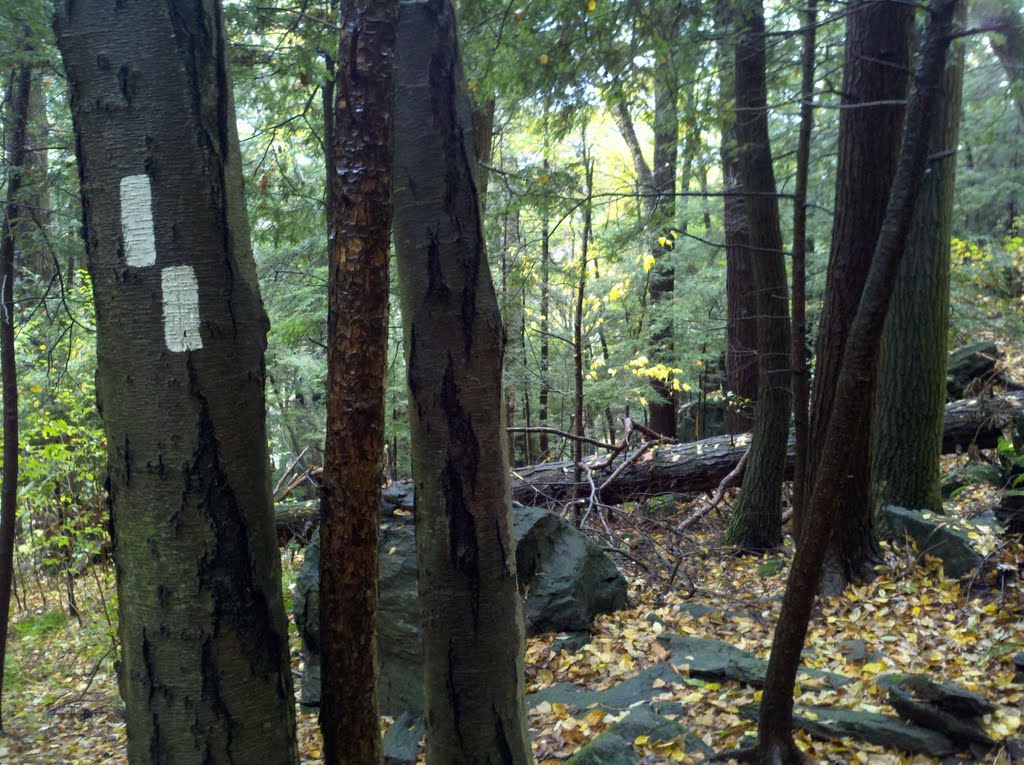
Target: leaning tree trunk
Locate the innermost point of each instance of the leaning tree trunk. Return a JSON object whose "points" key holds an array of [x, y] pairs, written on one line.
{"points": [[852, 402], [874, 90], [359, 143], [910, 406], [757, 522], [472, 615], [181, 334], [19, 96]]}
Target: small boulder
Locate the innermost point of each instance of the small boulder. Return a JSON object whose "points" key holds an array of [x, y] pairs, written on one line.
{"points": [[615, 745], [968, 363], [943, 537], [567, 578]]}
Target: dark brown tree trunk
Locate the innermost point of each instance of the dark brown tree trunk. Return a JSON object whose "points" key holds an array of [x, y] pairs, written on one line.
{"points": [[359, 167], [757, 521], [30, 254], [741, 297], [181, 334], [18, 97], [472, 614], [798, 354], [909, 411], [852, 401], [875, 83]]}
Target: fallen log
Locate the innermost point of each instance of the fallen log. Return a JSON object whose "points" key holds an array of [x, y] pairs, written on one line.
{"points": [[695, 466]]}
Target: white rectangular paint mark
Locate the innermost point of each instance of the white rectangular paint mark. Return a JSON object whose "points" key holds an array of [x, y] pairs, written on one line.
{"points": [[181, 309], [137, 221]]}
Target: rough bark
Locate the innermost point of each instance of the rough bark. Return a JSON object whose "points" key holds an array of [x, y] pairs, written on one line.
{"points": [[181, 334], [18, 98], [798, 354], [473, 627], [757, 522], [852, 402], [909, 411], [359, 169], [741, 297], [875, 83]]}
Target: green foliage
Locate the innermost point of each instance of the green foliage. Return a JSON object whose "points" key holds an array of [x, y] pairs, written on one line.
{"points": [[62, 506], [986, 285]]}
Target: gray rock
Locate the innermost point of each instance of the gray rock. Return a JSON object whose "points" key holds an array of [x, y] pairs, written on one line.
{"points": [[970, 474], [606, 749], [401, 742], [967, 363], [832, 723], [638, 688], [568, 578], [948, 695], [959, 729], [944, 537], [716, 660], [615, 745], [1018, 663]]}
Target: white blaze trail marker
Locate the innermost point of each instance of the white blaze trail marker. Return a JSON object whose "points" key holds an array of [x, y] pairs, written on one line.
{"points": [[137, 221], [178, 283], [181, 308]]}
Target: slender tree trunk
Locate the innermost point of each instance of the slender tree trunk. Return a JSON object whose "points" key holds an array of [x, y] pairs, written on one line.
{"points": [[545, 325], [798, 355], [18, 98], [663, 179], [910, 406], [359, 167], [577, 332], [875, 85], [757, 521], [741, 362], [181, 335], [472, 615], [852, 402]]}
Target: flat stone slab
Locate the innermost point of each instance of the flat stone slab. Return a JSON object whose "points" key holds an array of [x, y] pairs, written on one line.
{"points": [[948, 695], [712, 659], [615, 745], [941, 536], [832, 723], [636, 689]]}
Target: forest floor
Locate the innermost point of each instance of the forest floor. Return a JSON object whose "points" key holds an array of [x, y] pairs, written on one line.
{"points": [[61, 703]]}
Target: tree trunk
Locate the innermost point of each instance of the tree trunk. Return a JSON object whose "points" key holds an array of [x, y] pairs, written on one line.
{"points": [[1008, 45], [181, 334], [472, 615], [359, 167], [18, 97], [757, 522], [909, 411], [798, 354], [577, 331], [663, 179], [30, 254], [874, 90], [545, 308], [851, 404], [741, 297]]}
